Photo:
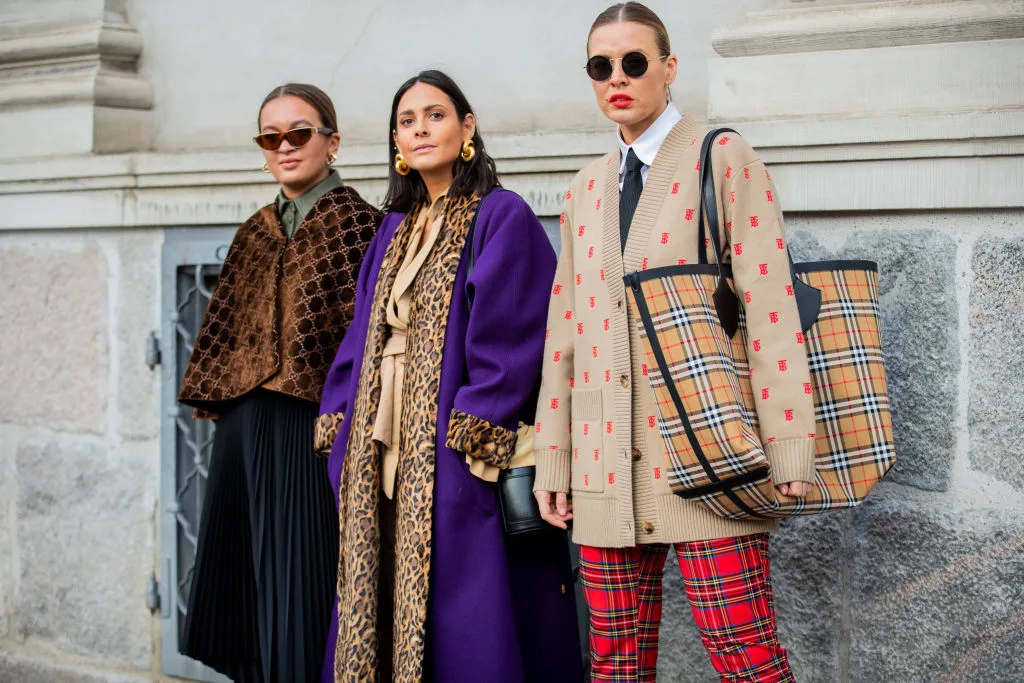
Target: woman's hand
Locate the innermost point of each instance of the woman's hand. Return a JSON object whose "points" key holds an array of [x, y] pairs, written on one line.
{"points": [[797, 489], [555, 508]]}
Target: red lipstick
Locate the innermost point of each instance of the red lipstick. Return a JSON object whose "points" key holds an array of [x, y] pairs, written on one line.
{"points": [[620, 100]]}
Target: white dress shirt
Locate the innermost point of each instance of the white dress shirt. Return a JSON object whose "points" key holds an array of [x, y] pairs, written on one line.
{"points": [[647, 145]]}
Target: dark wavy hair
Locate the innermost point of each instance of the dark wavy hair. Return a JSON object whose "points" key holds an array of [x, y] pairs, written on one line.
{"points": [[478, 175]]}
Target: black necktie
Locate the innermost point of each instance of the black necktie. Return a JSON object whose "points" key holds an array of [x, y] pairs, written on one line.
{"points": [[632, 186]]}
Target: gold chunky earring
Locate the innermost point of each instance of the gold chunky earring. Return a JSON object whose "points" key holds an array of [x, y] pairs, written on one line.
{"points": [[266, 167], [331, 159], [401, 167], [468, 150]]}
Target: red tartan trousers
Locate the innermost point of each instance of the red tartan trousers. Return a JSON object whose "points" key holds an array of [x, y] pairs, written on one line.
{"points": [[728, 583]]}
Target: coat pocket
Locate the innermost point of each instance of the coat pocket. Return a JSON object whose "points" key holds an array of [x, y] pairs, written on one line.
{"points": [[587, 441]]}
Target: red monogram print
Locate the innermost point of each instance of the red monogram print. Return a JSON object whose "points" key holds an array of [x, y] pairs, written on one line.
{"points": [[593, 350], [763, 268], [789, 290], [580, 230], [586, 429], [575, 453], [607, 375], [536, 428], [597, 454], [586, 480], [664, 238], [651, 421], [753, 222], [789, 415], [579, 279], [657, 473], [746, 173], [757, 345], [675, 188], [746, 296], [572, 382], [808, 389], [554, 404], [547, 334], [579, 328], [568, 315], [773, 317], [556, 290], [602, 275], [780, 243], [608, 427], [598, 206], [561, 219], [593, 302], [557, 356], [590, 184], [689, 214], [782, 365], [611, 478], [764, 394], [568, 195], [769, 193], [590, 252], [738, 248], [643, 369], [697, 167], [586, 378], [724, 140], [643, 266], [800, 338], [606, 324], [681, 262], [728, 172], [732, 197]]}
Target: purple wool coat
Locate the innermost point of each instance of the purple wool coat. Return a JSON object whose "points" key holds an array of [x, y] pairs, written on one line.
{"points": [[499, 610]]}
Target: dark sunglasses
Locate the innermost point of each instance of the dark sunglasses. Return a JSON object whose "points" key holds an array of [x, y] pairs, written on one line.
{"points": [[296, 137], [634, 65]]}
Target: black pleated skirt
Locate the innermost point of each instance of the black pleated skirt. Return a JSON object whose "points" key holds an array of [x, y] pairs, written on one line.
{"points": [[267, 555]]}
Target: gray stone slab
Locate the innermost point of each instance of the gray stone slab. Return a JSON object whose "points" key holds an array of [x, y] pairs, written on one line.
{"points": [[997, 360], [85, 551], [54, 346], [7, 547], [18, 668], [138, 312], [937, 593], [920, 323]]}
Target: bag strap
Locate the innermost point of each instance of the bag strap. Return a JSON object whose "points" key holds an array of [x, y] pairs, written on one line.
{"points": [[808, 299]]}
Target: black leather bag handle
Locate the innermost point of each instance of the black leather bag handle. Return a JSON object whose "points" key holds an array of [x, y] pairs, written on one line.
{"points": [[727, 305]]}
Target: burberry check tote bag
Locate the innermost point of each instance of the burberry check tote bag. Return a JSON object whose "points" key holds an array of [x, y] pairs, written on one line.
{"points": [[695, 342]]}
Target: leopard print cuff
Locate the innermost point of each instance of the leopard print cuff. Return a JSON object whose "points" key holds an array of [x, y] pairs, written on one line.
{"points": [[325, 431], [480, 439]]}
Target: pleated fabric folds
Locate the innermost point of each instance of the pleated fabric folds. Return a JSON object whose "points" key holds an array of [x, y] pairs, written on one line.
{"points": [[264, 575]]}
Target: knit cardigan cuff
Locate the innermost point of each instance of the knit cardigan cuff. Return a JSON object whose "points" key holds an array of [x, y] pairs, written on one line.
{"points": [[325, 431], [553, 471], [791, 460], [480, 439]]}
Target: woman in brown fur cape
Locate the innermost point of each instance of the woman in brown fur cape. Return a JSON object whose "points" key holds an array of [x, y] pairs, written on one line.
{"points": [[268, 539]]}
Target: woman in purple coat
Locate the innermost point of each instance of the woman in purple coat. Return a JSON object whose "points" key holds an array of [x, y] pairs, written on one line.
{"points": [[420, 413]]}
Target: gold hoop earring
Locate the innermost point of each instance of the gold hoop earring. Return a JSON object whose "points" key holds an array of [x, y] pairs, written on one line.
{"points": [[401, 167], [266, 167], [468, 151], [331, 159]]}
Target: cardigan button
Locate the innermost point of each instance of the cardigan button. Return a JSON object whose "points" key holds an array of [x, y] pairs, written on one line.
{"points": [[619, 304], [647, 527], [624, 381], [636, 455]]}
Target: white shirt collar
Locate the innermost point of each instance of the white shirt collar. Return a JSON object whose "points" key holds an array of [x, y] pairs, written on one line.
{"points": [[647, 145]]}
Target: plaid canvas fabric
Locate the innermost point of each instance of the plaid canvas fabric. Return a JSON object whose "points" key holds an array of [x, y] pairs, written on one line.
{"points": [[701, 383], [728, 584]]}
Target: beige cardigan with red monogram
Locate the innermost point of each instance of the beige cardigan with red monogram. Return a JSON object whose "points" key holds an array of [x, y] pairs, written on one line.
{"points": [[596, 429]]}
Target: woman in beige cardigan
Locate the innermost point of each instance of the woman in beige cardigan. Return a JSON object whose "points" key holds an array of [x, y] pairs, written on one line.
{"points": [[597, 432]]}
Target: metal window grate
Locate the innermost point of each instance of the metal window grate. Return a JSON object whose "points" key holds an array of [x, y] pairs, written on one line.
{"points": [[190, 266]]}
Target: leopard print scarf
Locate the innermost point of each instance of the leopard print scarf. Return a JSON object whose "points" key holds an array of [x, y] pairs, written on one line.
{"points": [[359, 561]]}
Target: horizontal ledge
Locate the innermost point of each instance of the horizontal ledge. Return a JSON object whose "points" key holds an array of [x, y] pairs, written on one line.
{"points": [[85, 86], [981, 134], [881, 24], [864, 186], [61, 43]]}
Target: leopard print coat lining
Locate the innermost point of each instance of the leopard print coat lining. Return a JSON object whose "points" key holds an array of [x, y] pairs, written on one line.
{"points": [[356, 656]]}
